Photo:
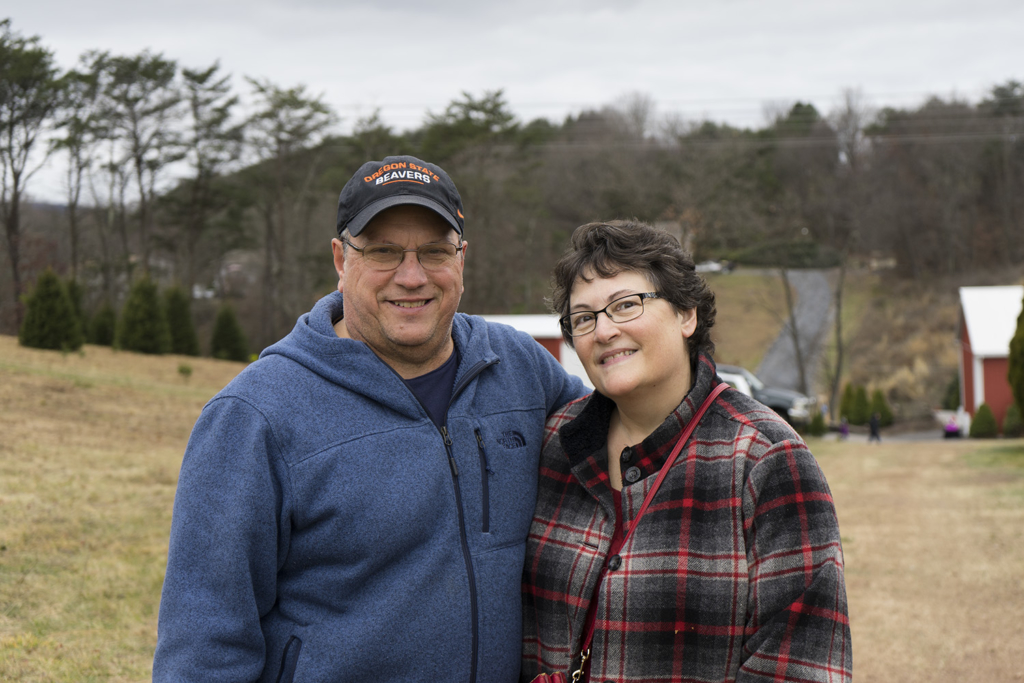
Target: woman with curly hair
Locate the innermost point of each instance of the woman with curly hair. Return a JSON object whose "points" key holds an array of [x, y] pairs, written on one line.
{"points": [[683, 531]]}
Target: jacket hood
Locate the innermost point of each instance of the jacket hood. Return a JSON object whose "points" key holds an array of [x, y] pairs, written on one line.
{"points": [[351, 364]]}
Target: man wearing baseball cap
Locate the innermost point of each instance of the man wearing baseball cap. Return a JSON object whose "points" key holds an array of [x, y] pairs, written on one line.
{"points": [[354, 505]]}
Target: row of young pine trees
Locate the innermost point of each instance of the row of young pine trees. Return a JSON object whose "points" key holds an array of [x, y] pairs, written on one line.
{"points": [[148, 322], [983, 426], [857, 410]]}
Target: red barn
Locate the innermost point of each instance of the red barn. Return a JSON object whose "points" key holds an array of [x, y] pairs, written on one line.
{"points": [[988, 320]]}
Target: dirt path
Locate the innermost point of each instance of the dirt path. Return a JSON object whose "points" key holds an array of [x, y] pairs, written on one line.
{"points": [[934, 546]]}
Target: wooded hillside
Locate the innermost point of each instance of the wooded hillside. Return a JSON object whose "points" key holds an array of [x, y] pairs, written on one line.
{"points": [[177, 174]]}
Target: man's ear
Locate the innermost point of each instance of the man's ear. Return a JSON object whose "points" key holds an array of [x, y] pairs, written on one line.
{"points": [[338, 249]]}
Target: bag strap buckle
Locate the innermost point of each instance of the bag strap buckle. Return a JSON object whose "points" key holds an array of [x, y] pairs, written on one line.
{"points": [[578, 673]]}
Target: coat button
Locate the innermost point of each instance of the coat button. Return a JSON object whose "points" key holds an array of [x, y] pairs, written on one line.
{"points": [[627, 455], [633, 475], [614, 562]]}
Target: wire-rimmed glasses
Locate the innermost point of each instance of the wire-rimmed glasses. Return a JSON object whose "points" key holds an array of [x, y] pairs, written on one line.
{"points": [[432, 256]]}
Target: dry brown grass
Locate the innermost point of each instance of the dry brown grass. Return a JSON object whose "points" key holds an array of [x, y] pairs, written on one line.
{"points": [[89, 453], [746, 324], [933, 535], [89, 457]]}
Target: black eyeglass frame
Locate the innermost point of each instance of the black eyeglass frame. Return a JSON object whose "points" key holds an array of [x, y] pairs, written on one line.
{"points": [[458, 247], [566, 320]]}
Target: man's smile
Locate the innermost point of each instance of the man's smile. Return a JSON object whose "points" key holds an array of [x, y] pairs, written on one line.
{"points": [[411, 304]]}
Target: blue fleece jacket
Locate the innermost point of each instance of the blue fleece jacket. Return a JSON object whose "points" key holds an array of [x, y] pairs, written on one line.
{"points": [[325, 529]]}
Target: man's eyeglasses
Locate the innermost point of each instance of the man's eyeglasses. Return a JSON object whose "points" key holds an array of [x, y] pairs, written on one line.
{"points": [[431, 256], [621, 310]]}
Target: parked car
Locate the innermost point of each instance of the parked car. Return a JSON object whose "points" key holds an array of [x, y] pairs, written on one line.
{"points": [[709, 267], [736, 381], [715, 266], [794, 407]]}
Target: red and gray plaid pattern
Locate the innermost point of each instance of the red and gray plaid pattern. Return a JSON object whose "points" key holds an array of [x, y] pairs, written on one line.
{"points": [[735, 572]]}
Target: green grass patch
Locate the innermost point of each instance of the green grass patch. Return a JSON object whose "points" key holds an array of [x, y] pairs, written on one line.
{"points": [[1007, 455]]}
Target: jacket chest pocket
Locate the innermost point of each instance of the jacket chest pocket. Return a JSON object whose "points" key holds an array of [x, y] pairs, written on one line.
{"points": [[507, 455]]}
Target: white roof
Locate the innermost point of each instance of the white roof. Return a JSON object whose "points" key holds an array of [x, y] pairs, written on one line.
{"points": [[537, 326], [990, 314]]}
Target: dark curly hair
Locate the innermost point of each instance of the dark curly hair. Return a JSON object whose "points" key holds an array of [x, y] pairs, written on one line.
{"points": [[610, 248]]}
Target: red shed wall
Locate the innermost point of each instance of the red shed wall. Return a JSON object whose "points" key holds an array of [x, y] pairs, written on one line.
{"points": [[997, 387], [554, 346]]}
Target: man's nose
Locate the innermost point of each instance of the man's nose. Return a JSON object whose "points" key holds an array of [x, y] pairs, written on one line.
{"points": [[410, 273]]}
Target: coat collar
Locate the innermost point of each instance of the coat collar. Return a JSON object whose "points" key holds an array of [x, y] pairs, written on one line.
{"points": [[585, 438]]}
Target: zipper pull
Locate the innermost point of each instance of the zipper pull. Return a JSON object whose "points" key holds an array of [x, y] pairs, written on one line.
{"points": [[451, 460], [483, 452]]}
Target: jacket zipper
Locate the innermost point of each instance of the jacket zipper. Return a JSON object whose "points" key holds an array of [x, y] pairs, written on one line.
{"points": [[471, 576], [484, 484]]}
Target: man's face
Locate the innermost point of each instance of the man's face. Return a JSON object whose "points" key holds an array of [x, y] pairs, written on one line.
{"points": [[404, 315]]}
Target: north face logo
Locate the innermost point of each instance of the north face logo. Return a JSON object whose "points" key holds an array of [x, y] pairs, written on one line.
{"points": [[512, 439]]}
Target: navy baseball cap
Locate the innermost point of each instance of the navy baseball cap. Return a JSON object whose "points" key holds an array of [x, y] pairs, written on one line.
{"points": [[380, 185]]}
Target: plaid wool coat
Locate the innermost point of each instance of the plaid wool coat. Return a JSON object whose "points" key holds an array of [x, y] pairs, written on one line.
{"points": [[735, 573]]}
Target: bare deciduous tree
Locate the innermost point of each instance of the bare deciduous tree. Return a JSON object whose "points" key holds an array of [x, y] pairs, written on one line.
{"points": [[140, 100], [284, 133], [28, 98]]}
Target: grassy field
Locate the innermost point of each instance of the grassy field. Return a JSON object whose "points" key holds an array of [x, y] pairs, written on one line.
{"points": [[89, 456], [748, 317], [90, 446]]}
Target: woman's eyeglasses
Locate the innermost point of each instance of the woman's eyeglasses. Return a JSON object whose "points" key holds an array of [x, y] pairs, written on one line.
{"points": [[621, 310]]}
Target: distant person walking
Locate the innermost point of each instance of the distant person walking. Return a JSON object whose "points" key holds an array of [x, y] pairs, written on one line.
{"points": [[874, 424]]}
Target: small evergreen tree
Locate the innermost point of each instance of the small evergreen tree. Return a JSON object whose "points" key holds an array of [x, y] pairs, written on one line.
{"points": [[817, 426], [143, 325], [103, 326], [228, 342], [846, 403], [75, 295], [881, 406], [50, 320], [860, 411], [1013, 426], [951, 401], [1016, 361], [179, 320], [983, 426]]}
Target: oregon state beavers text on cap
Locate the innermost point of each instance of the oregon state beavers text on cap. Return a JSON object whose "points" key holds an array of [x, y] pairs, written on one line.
{"points": [[380, 185]]}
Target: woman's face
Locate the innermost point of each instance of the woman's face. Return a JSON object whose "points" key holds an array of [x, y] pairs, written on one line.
{"points": [[648, 353]]}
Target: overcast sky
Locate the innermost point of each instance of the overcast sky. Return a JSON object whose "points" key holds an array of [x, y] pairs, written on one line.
{"points": [[718, 59]]}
